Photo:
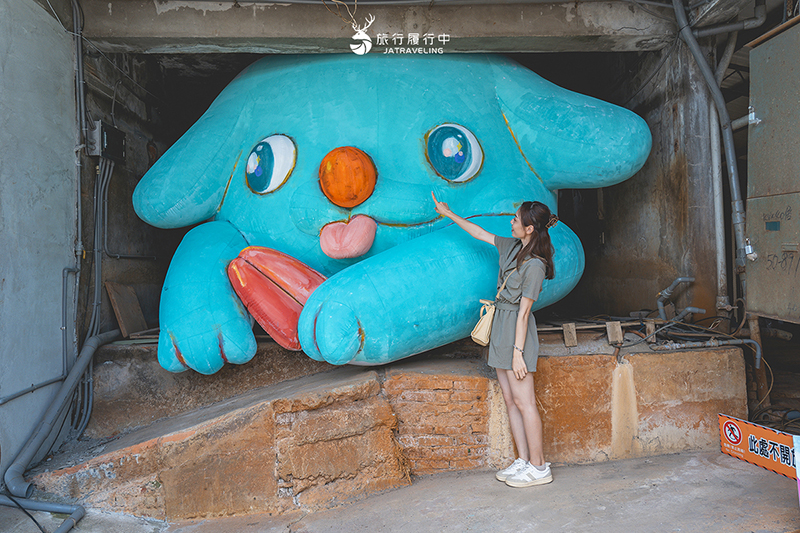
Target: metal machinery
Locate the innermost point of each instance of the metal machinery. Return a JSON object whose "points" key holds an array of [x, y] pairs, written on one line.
{"points": [[773, 190]]}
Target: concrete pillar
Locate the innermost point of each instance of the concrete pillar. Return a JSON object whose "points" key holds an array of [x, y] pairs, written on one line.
{"points": [[38, 192], [659, 225]]}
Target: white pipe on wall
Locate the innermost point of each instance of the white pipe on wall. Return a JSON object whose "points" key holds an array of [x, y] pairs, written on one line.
{"points": [[719, 210]]}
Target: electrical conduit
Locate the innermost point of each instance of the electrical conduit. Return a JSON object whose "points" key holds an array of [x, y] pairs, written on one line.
{"points": [[13, 476], [723, 301], [75, 512], [760, 16]]}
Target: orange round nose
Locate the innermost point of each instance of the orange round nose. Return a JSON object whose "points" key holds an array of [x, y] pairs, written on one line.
{"points": [[347, 176]]}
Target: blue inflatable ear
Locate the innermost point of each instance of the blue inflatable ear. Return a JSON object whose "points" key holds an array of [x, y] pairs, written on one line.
{"points": [[187, 184], [570, 140]]}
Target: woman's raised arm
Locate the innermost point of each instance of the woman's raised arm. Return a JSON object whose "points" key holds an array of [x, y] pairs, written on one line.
{"points": [[473, 229]]}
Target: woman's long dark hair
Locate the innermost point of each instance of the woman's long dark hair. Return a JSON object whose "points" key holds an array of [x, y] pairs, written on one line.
{"points": [[538, 215]]}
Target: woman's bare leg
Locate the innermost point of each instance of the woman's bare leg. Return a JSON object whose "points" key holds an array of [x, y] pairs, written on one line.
{"points": [[524, 397], [514, 416]]}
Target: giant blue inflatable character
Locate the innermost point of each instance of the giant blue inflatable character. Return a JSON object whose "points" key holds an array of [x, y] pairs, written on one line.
{"points": [[313, 175]]}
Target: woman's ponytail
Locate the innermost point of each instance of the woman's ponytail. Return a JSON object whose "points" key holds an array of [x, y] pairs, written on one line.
{"points": [[538, 215]]}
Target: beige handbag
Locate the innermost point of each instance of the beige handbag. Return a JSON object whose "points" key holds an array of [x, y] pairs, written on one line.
{"points": [[482, 331]]}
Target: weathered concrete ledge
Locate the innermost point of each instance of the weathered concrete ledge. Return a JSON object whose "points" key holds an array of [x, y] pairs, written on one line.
{"points": [[308, 443], [131, 389], [147, 26], [324, 439]]}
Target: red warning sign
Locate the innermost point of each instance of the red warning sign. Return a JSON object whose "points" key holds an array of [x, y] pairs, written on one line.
{"points": [[759, 445], [731, 432]]}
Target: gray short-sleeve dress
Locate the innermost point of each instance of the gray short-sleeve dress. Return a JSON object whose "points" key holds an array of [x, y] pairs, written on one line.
{"points": [[526, 281]]}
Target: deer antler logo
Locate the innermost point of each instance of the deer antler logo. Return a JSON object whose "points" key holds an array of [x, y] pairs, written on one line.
{"points": [[365, 42]]}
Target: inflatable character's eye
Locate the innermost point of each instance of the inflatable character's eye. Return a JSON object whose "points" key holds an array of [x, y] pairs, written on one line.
{"points": [[270, 163], [454, 152]]}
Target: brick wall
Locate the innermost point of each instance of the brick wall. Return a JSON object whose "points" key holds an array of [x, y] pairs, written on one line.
{"points": [[442, 419]]}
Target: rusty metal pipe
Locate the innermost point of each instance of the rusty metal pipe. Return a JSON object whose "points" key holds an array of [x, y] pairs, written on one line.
{"points": [[708, 344], [767, 332]]}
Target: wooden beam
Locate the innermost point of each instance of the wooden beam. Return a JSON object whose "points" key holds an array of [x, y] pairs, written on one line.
{"points": [[614, 331], [570, 335]]}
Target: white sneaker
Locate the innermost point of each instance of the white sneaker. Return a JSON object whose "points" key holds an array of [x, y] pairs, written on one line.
{"points": [[529, 476], [512, 469]]}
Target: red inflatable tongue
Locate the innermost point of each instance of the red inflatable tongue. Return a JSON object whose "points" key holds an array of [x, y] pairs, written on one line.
{"points": [[274, 287]]}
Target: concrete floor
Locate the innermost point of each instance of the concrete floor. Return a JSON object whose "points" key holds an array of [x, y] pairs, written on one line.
{"points": [[687, 492]]}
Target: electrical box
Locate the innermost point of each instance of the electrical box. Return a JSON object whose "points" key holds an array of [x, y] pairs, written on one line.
{"points": [[107, 141], [773, 173]]}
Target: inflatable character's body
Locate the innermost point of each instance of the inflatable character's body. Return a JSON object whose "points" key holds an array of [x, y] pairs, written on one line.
{"points": [[314, 175]]}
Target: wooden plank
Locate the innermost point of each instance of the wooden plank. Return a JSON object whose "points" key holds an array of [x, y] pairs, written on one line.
{"points": [[614, 331], [134, 342], [126, 308], [570, 336], [650, 327], [151, 333], [600, 325]]}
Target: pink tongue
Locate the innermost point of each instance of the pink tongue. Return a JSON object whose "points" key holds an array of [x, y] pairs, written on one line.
{"points": [[342, 240]]}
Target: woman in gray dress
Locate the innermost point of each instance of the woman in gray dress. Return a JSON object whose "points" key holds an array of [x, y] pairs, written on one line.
{"points": [[526, 259]]}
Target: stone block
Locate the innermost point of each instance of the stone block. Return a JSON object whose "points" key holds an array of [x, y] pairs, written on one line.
{"points": [[574, 398], [679, 394], [372, 478], [595, 409], [350, 383], [337, 443], [333, 441], [340, 421], [696, 375], [221, 484], [501, 445], [425, 466], [219, 466], [474, 395], [466, 464], [326, 461]]}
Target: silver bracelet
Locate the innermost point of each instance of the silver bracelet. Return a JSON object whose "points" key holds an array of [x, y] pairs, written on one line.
{"points": [[519, 349]]}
